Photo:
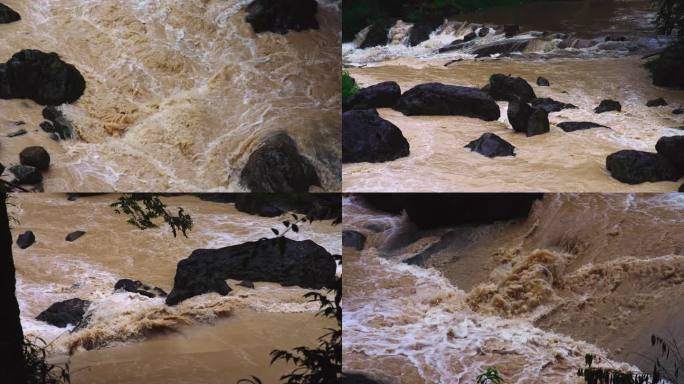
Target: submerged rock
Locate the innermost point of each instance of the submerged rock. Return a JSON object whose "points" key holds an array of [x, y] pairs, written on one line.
{"points": [[678, 111], [47, 127], [542, 82], [491, 145], [277, 166], [74, 235], [18, 132], [26, 239], [382, 95], [61, 125], [41, 77], [668, 69], [672, 148], [280, 16], [502, 87], [35, 156], [246, 284], [550, 105], [607, 106], [278, 260], [571, 126], [65, 312], [136, 286], [8, 15], [441, 99], [659, 102], [26, 174], [366, 137], [503, 48], [636, 167], [353, 239]]}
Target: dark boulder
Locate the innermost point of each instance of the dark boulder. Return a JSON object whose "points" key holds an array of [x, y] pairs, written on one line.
{"points": [[659, 102], [353, 239], [672, 148], [636, 167], [421, 31], [502, 87], [571, 126], [482, 32], [26, 239], [503, 48], [254, 206], [382, 95], [74, 235], [41, 77], [519, 115], [136, 286], [469, 37], [542, 82], [47, 126], [668, 69], [511, 30], [441, 99], [8, 15], [246, 284], [550, 105], [35, 156], [678, 111], [65, 312], [607, 106], [491, 145], [277, 166], [278, 260], [26, 174], [366, 137], [538, 123], [280, 16], [681, 188], [378, 33]]}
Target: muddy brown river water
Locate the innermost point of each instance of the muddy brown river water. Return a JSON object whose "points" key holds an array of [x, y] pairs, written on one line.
{"points": [[209, 338], [179, 93]]}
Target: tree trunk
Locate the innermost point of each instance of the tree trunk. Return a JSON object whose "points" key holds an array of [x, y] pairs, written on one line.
{"points": [[11, 334]]}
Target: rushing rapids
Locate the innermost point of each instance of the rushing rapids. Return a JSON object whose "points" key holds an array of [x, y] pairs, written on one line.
{"points": [[588, 51], [582, 274], [178, 93]]}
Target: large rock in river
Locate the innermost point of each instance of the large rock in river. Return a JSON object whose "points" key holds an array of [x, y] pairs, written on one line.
{"points": [[65, 312], [502, 87], [41, 77], [8, 15], [378, 33], [26, 239], [672, 148], [441, 99], [278, 260], [636, 167], [277, 166], [280, 16], [572, 126], [491, 145], [607, 106], [382, 95], [35, 156], [353, 239], [366, 137]]}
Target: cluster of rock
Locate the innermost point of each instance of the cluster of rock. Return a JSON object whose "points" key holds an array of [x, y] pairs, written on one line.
{"points": [[636, 167], [33, 161], [27, 238]]}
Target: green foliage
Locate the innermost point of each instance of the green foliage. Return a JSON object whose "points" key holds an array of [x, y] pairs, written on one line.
{"points": [[491, 375], [38, 370], [152, 208], [349, 86]]}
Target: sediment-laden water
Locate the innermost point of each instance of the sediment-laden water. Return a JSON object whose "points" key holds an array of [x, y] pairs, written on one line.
{"points": [[582, 274], [179, 93], [211, 338], [588, 50]]}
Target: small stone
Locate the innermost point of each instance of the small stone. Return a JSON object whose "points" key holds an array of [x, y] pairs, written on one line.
{"points": [[17, 133]]}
